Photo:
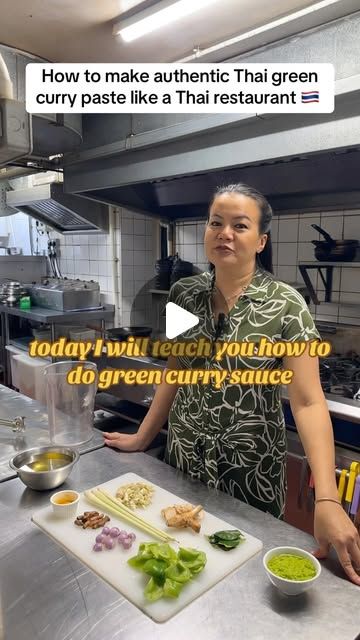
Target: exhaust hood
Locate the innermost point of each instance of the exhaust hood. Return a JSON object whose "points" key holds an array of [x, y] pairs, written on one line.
{"points": [[65, 213]]}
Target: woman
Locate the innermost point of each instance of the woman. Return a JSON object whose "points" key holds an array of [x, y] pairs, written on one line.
{"points": [[233, 438]]}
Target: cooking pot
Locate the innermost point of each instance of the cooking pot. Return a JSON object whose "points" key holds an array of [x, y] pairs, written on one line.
{"points": [[123, 333], [334, 250]]}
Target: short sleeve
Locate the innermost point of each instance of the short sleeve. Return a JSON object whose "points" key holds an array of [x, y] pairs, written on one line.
{"points": [[297, 321]]}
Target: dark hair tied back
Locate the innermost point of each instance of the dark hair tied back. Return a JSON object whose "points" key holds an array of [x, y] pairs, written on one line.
{"points": [[264, 259]]}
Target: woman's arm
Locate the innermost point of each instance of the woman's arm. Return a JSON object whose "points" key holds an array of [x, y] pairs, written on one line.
{"points": [[153, 421], [309, 408]]}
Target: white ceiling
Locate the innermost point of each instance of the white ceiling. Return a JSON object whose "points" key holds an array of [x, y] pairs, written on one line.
{"points": [[81, 30]]}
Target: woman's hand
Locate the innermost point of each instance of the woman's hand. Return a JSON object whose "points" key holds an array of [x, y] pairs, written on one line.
{"points": [[333, 527], [123, 441]]}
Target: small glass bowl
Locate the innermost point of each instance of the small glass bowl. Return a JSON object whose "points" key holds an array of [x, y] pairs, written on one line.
{"points": [[65, 503]]}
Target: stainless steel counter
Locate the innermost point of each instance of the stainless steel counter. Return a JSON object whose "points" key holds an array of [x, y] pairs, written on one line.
{"points": [[48, 595], [47, 316], [50, 316], [142, 394], [36, 433], [338, 406]]}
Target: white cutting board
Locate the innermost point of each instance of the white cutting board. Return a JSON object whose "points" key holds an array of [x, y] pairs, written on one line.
{"points": [[111, 565]]}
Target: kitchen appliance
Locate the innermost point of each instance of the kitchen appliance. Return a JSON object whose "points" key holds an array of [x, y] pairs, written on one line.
{"points": [[44, 468], [112, 566], [62, 294], [70, 406], [334, 250], [23, 268], [65, 213]]}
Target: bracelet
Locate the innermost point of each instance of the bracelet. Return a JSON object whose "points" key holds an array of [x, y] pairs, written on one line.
{"points": [[328, 500]]}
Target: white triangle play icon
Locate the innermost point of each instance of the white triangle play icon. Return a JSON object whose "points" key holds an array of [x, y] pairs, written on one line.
{"points": [[178, 320]]}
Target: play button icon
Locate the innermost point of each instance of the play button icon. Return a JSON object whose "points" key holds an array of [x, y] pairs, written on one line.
{"points": [[178, 320]]}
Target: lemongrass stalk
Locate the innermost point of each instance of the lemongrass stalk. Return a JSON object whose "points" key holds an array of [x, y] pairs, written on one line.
{"points": [[141, 524], [116, 512], [108, 498]]}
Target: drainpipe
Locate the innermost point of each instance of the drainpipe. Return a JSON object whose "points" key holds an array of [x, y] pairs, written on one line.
{"points": [[6, 86], [115, 265]]}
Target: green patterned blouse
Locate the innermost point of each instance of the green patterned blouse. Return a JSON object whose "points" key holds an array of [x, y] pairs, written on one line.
{"points": [[233, 438]]}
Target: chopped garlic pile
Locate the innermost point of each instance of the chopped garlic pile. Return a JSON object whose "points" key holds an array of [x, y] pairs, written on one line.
{"points": [[135, 494]]}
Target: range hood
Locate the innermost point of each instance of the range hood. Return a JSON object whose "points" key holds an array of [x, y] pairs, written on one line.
{"points": [[324, 181], [65, 213]]}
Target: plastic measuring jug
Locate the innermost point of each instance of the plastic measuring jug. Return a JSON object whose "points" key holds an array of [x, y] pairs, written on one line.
{"points": [[70, 406]]}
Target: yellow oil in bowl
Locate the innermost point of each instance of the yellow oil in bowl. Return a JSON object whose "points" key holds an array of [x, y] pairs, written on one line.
{"points": [[47, 462]]}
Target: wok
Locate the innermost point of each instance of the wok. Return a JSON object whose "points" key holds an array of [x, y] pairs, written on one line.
{"points": [[334, 250], [123, 333]]}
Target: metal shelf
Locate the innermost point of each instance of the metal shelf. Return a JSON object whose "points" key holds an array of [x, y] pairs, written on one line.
{"points": [[319, 263], [160, 291], [327, 279], [50, 316]]}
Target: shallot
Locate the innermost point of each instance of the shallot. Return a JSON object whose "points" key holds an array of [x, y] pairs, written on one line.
{"points": [[109, 543], [109, 536], [127, 543]]}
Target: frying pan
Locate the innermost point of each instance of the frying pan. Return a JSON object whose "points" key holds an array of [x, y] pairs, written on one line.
{"points": [[123, 333], [334, 250]]}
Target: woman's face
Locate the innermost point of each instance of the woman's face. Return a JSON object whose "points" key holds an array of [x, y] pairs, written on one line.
{"points": [[232, 235]]}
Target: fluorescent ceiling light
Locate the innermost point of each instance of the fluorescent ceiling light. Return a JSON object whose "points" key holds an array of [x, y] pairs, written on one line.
{"points": [[164, 12]]}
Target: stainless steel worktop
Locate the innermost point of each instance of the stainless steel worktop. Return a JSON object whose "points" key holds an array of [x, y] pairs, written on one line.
{"points": [[36, 432], [47, 594], [142, 394], [40, 314]]}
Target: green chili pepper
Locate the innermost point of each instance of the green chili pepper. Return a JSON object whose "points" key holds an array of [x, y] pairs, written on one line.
{"points": [[169, 571], [172, 588], [189, 554], [178, 572], [138, 562], [153, 591], [155, 569]]}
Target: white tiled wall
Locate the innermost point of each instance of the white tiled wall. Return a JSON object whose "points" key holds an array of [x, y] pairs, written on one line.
{"points": [[88, 257], [291, 238]]}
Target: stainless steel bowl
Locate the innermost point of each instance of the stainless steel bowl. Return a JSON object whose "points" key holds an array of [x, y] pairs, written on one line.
{"points": [[44, 467]]}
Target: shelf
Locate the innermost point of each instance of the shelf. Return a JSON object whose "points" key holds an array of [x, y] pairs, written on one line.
{"points": [[50, 316], [319, 263], [160, 291], [22, 343], [326, 279]]}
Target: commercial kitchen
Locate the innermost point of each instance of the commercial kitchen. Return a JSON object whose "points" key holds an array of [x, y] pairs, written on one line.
{"points": [[99, 216]]}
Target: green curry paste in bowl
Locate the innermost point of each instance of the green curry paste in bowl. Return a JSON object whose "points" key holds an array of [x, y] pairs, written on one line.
{"points": [[291, 570]]}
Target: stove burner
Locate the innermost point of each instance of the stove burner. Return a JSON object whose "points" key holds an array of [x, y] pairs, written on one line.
{"points": [[340, 375], [342, 390]]}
